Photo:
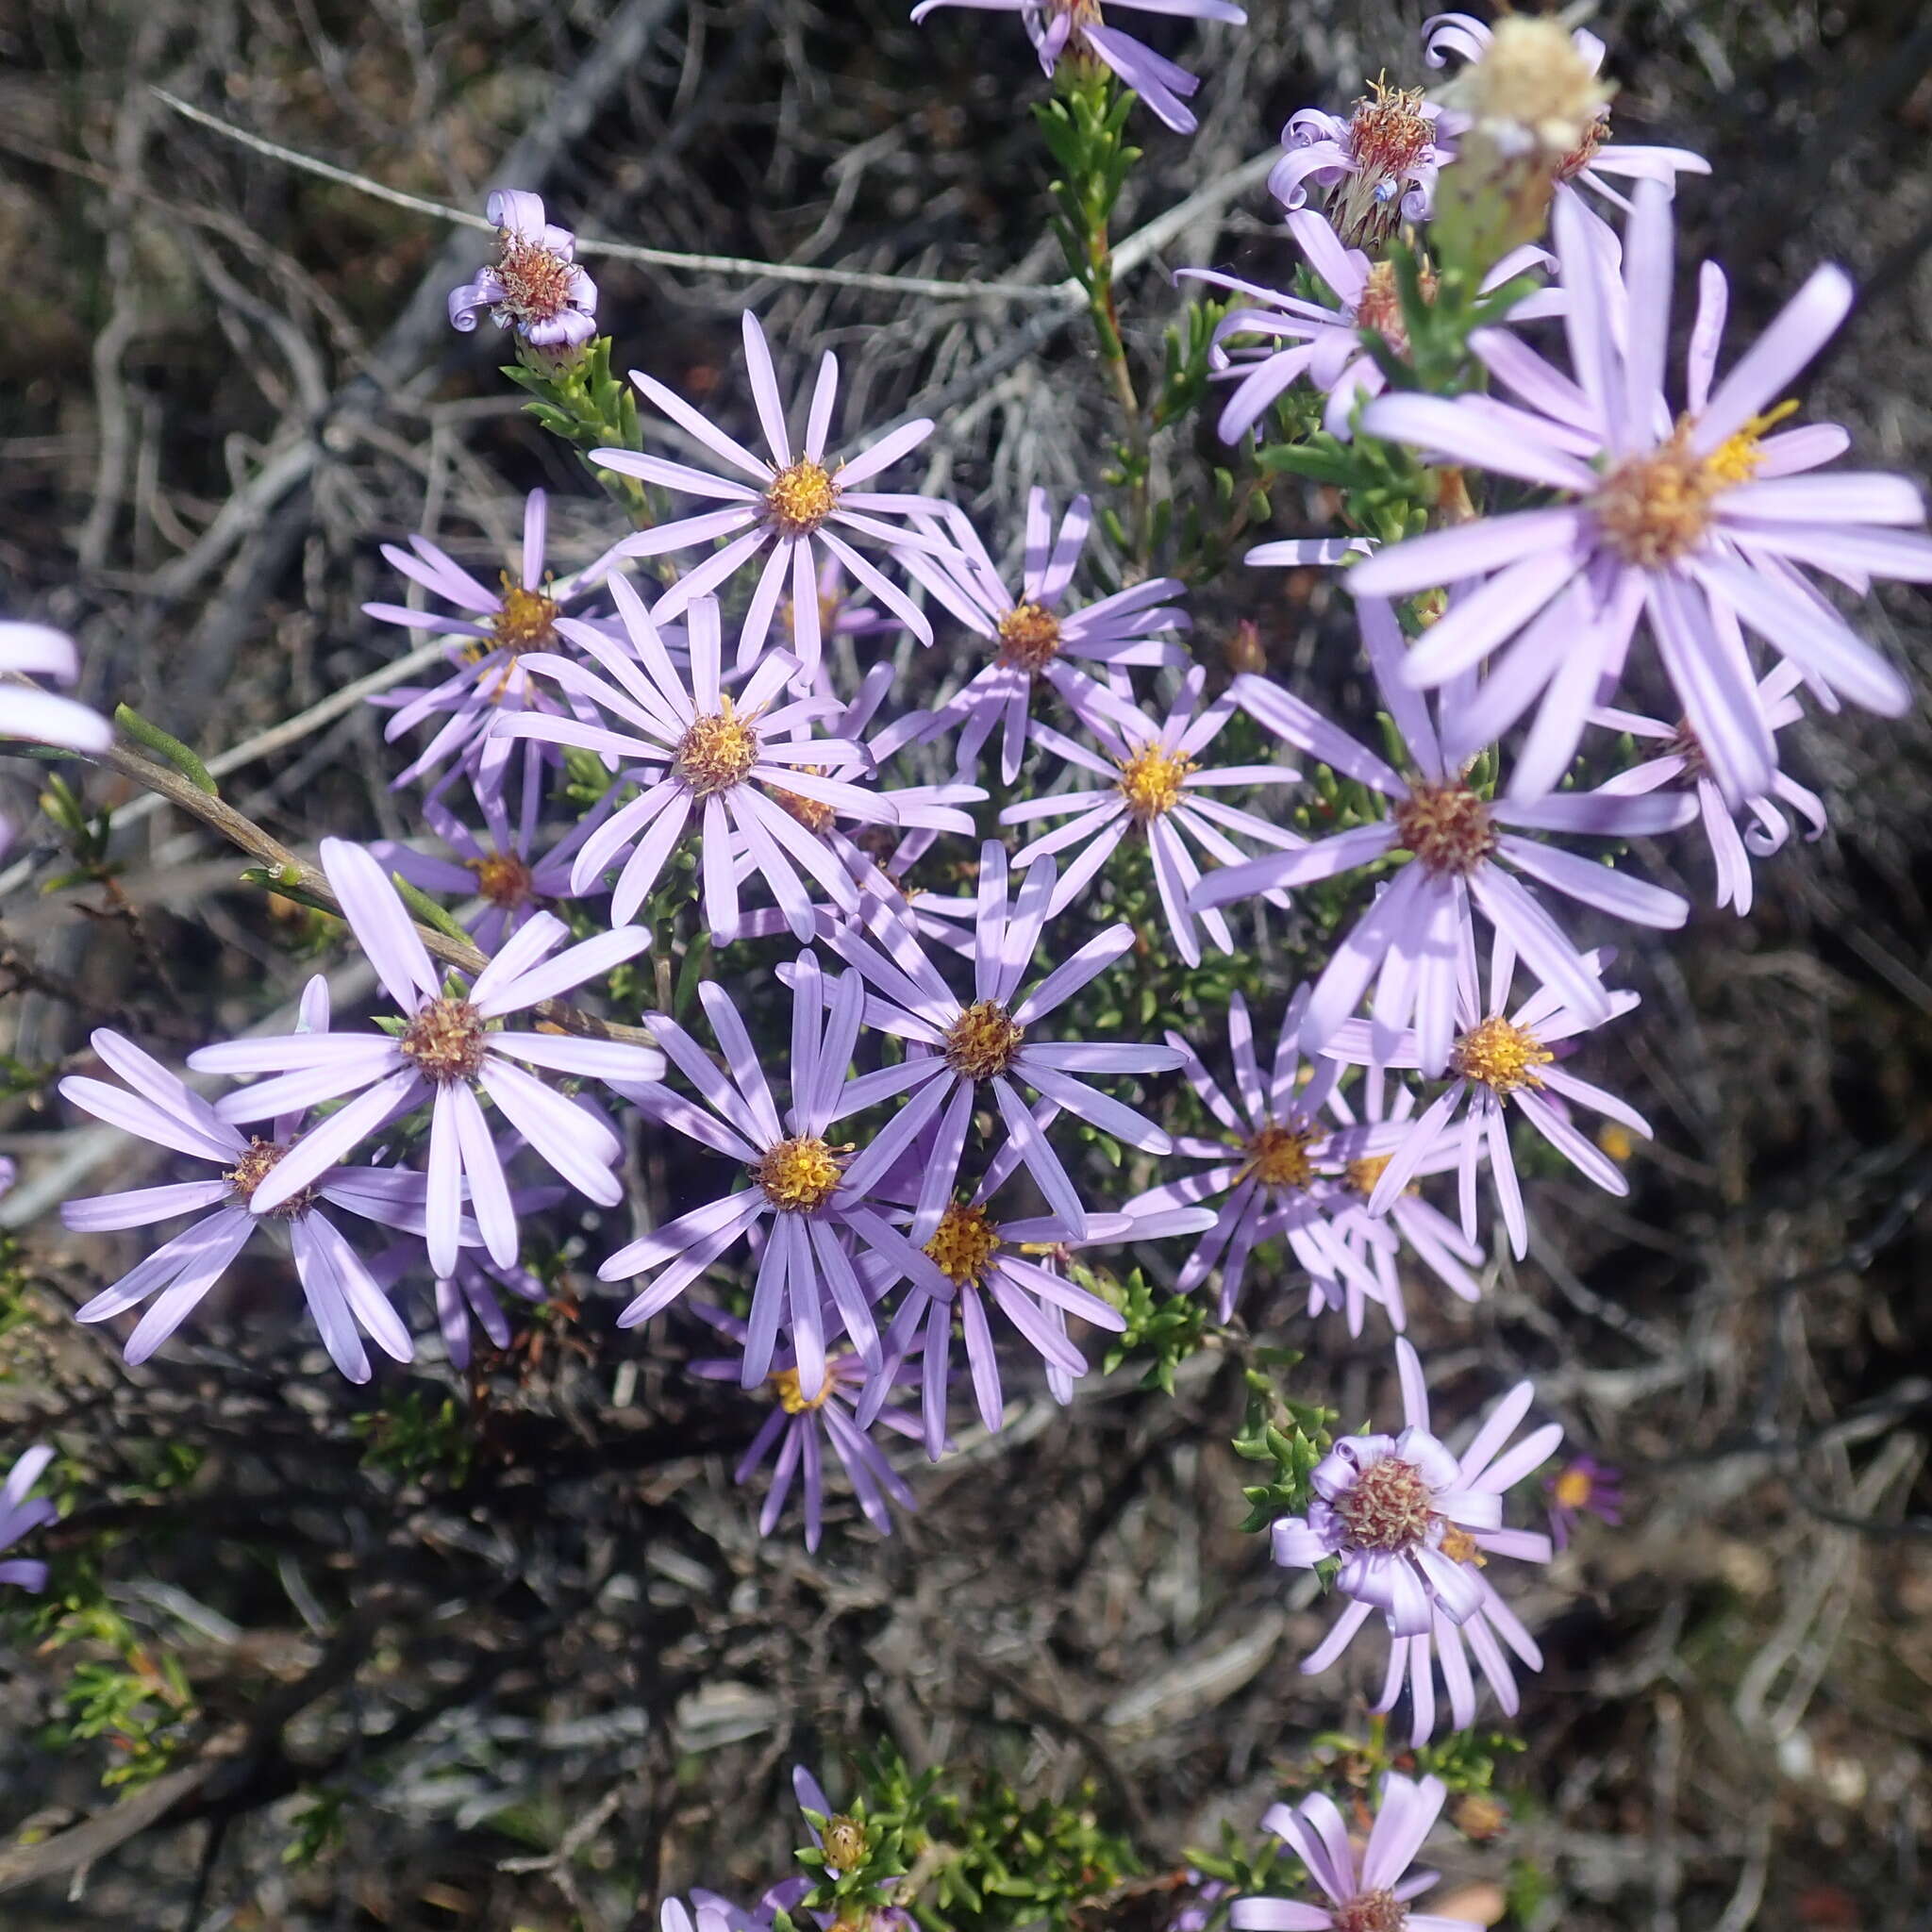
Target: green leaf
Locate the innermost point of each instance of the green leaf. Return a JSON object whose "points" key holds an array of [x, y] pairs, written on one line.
{"points": [[130, 724]]}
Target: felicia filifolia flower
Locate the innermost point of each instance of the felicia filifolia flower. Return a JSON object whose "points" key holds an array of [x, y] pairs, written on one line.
{"points": [[1583, 1487], [1155, 787], [1663, 518], [1500, 1060], [1377, 164], [1366, 1892], [1410, 942], [1273, 1173], [1681, 763], [341, 1290], [800, 1426], [1595, 155], [812, 1198], [1030, 631], [533, 288], [953, 1048], [1054, 25], [1327, 338], [446, 1050], [802, 507], [488, 677], [18, 1515], [695, 752]]}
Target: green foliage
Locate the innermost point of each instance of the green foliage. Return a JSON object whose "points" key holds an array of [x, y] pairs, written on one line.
{"points": [[84, 833], [142, 1704], [580, 400], [318, 1828], [1288, 1435], [425, 911], [1165, 1329], [170, 749], [419, 1439], [1247, 1870], [1085, 129], [960, 1854]]}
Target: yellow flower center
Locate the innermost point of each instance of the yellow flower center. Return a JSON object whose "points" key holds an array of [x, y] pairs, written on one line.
{"points": [[1459, 1547], [784, 1385], [801, 498], [963, 1244], [1150, 781], [1447, 827], [260, 1160], [503, 879], [527, 620], [1388, 1507], [1380, 307], [444, 1042], [1362, 1174], [1573, 1489], [1279, 1157], [812, 814], [798, 1175], [983, 1040], [1655, 509], [716, 751], [1501, 1056], [1029, 637]]}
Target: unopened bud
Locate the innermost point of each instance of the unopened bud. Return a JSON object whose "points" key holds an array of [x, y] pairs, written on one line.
{"points": [[1244, 650], [844, 1844]]}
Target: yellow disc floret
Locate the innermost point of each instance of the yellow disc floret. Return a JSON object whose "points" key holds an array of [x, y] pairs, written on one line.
{"points": [[503, 879], [1029, 637], [445, 1040], [1501, 1056], [527, 620], [784, 1384], [963, 1244], [1447, 827], [798, 1175], [983, 1040], [1280, 1157], [1151, 782], [716, 751], [801, 498]]}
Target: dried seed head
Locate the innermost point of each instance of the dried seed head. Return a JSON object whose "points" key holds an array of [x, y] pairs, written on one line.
{"points": [[1388, 135], [801, 498], [963, 1244], [1388, 1508], [254, 1166], [1447, 827], [983, 1040], [444, 1042], [1150, 781], [1501, 1057], [1532, 92], [1029, 637], [716, 751], [536, 281], [798, 1175]]}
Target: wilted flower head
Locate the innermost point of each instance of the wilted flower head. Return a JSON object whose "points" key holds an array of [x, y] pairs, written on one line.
{"points": [[1378, 163], [1367, 1891], [18, 1516], [533, 289], [1056, 25]]}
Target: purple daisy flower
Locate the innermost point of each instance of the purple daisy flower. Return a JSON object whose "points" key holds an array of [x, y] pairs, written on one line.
{"points": [[37, 650], [1032, 634], [792, 505], [800, 1426], [1274, 1173], [954, 1047], [1409, 1519], [342, 1293], [1327, 338], [1382, 157], [1155, 784], [503, 867], [1412, 941], [813, 1199], [1051, 25], [1483, 1635], [1366, 1894], [1664, 519], [533, 288], [447, 1049], [1683, 764], [1499, 1061], [1583, 1487], [488, 676], [693, 752], [1593, 157], [18, 1516]]}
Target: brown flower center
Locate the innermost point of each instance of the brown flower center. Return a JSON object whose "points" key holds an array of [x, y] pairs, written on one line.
{"points": [[1388, 1507], [256, 1165], [1371, 1911], [983, 1040], [1501, 1056], [798, 1175], [1380, 307], [503, 879], [1447, 827], [527, 620], [963, 1244], [801, 498], [716, 751], [785, 1386], [1029, 638], [1388, 134], [536, 280], [445, 1040], [1151, 780], [1279, 1157]]}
